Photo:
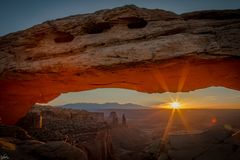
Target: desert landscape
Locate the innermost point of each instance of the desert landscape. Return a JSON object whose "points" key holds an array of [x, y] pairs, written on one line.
{"points": [[48, 132]]}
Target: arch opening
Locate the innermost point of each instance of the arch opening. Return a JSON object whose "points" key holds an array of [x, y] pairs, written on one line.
{"points": [[199, 110], [207, 98], [146, 118]]}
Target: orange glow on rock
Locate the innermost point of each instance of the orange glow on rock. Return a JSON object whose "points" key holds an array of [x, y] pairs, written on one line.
{"points": [[20, 92]]}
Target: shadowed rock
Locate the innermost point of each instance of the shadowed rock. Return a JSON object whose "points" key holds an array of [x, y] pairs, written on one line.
{"points": [[79, 128], [35, 150], [215, 143]]}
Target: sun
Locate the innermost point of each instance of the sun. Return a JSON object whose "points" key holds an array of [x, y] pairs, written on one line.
{"points": [[175, 105]]}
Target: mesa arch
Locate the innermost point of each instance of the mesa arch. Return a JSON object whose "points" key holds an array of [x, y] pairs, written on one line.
{"points": [[126, 47]]}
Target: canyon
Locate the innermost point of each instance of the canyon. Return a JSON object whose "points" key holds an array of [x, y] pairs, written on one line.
{"points": [[85, 130], [148, 50], [48, 132]]}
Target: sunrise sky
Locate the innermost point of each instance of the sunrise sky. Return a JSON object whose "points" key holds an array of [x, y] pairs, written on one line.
{"points": [[213, 97], [21, 14]]}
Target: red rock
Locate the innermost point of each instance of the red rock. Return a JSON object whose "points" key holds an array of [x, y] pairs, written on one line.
{"points": [[127, 47]]}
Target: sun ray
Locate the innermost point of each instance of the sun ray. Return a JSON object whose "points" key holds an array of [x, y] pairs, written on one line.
{"points": [[160, 79], [175, 106], [183, 77], [169, 124], [184, 121]]}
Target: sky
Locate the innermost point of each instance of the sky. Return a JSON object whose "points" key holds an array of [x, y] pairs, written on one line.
{"points": [[17, 15], [212, 97], [21, 14]]}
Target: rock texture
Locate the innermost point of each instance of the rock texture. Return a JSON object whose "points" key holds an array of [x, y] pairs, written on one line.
{"points": [[215, 143], [81, 130], [17, 149], [127, 47], [50, 114], [17, 144], [129, 143]]}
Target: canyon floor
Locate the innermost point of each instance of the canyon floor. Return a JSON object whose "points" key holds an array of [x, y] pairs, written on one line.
{"points": [[67, 134]]}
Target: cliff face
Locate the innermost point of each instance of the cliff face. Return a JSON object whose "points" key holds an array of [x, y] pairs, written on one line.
{"points": [[82, 130], [127, 47]]}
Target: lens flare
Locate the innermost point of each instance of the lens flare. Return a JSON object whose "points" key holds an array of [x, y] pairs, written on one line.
{"points": [[175, 105]]}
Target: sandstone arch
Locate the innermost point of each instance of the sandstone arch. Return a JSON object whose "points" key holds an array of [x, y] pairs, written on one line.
{"points": [[127, 47]]}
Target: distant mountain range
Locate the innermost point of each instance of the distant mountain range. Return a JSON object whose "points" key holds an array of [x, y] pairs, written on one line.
{"points": [[105, 106]]}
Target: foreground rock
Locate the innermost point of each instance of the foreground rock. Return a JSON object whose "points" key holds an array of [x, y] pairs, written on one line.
{"points": [[59, 150], [15, 146], [216, 143], [14, 131], [129, 143], [126, 47], [84, 130], [16, 149]]}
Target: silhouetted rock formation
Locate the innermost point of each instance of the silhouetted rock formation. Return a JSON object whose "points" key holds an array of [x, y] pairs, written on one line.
{"points": [[113, 119], [124, 121], [148, 50]]}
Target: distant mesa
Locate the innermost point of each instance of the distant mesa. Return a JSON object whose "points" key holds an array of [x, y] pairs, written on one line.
{"points": [[105, 106]]}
